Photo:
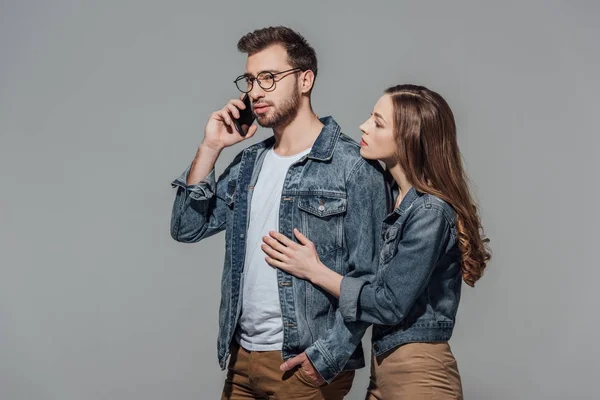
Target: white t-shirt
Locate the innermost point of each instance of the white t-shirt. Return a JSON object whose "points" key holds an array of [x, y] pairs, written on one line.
{"points": [[261, 324]]}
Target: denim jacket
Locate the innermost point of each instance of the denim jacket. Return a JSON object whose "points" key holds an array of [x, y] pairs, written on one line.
{"points": [[415, 295], [333, 196]]}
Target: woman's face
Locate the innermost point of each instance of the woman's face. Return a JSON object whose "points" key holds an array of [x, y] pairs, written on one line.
{"points": [[378, 142]]}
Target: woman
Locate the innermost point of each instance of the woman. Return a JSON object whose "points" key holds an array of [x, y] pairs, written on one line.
{"points": [[431, 240]]}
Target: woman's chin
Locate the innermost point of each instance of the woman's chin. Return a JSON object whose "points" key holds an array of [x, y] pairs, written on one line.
{"points": [[364, 152]]}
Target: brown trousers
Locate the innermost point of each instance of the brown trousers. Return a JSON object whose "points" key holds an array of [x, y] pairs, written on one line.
{"points": [[256, 375], [415, 371]]}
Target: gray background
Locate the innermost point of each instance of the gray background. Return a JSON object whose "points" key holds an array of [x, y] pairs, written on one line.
{"points": [[102, 104]]}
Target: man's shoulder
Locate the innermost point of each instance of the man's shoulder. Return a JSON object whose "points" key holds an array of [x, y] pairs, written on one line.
{"points": [[351, 149], [346, 156], [346, 151], [347, 143]]}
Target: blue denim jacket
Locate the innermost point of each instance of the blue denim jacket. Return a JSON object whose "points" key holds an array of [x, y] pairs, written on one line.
{"points": [[333, 196], [415, 295]]}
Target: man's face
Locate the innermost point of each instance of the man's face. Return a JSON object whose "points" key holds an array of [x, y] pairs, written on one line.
{"points": [[277, 106]]}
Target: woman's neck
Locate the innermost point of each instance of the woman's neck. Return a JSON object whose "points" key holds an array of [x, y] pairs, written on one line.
{"points": [[400, 177]]}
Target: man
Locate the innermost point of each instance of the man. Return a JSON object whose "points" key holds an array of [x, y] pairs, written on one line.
{"points": [[309, 176]]}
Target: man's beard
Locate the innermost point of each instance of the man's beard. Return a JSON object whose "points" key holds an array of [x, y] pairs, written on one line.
{"points": [[284, 114]]}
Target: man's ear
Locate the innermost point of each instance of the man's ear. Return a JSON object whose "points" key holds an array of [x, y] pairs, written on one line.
{"points": [[307, 80]]}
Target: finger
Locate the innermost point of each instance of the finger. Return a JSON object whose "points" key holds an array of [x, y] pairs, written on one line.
{"points": [[282, 238], [271, 262], [301, 238], [233, 110], [251, 131], [276, 245], [292, 363], [274, 254], [311, 371], [238, 103], [227, 111], [217, 116], [276, 264], [224, 116]]}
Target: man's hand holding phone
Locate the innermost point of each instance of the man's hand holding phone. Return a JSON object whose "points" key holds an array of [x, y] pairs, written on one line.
{"points": [[221, 130]]}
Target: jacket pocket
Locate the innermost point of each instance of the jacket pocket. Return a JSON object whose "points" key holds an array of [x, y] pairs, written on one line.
{"points": [[390, 244], [322, 220]]}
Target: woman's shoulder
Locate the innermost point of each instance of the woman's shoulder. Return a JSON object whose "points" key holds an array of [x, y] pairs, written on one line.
{"points": [[431, 206]]}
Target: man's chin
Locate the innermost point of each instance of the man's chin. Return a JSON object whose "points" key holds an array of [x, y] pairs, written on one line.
{"points": [[265, 122]]}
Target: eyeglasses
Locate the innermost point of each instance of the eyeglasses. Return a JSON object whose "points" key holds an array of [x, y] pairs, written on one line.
{"points": [[266, 80]]}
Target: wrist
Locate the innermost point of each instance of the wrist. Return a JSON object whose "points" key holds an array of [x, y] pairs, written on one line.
{"points": [[327, 279], [209, 150], [320, 275]]}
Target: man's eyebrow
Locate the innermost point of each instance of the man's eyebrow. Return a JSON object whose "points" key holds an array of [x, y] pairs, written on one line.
{"points": [[272, 71]]}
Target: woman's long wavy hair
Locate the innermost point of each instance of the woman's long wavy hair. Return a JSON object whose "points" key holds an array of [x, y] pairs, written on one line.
{"points": [[428, 153]]}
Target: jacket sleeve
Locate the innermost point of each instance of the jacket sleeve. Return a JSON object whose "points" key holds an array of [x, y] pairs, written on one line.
{"points": [[367, 207], [388, 299], [200, 210]]}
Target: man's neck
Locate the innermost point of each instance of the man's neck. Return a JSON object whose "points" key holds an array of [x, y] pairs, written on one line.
{"points": [[298, 135]]}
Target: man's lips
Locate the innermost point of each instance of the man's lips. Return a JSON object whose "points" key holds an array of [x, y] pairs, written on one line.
{"points": [[261, 108]]}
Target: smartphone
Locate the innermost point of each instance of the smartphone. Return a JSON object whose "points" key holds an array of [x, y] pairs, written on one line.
{"points": [[243, 123]]}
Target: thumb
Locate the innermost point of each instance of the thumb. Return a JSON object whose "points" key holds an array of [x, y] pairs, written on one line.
{"points": [[251, 131], [301, 238], [292, 363]]}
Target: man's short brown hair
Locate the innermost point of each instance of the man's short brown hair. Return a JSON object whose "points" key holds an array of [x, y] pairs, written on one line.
{"points": [[300, 53]]}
